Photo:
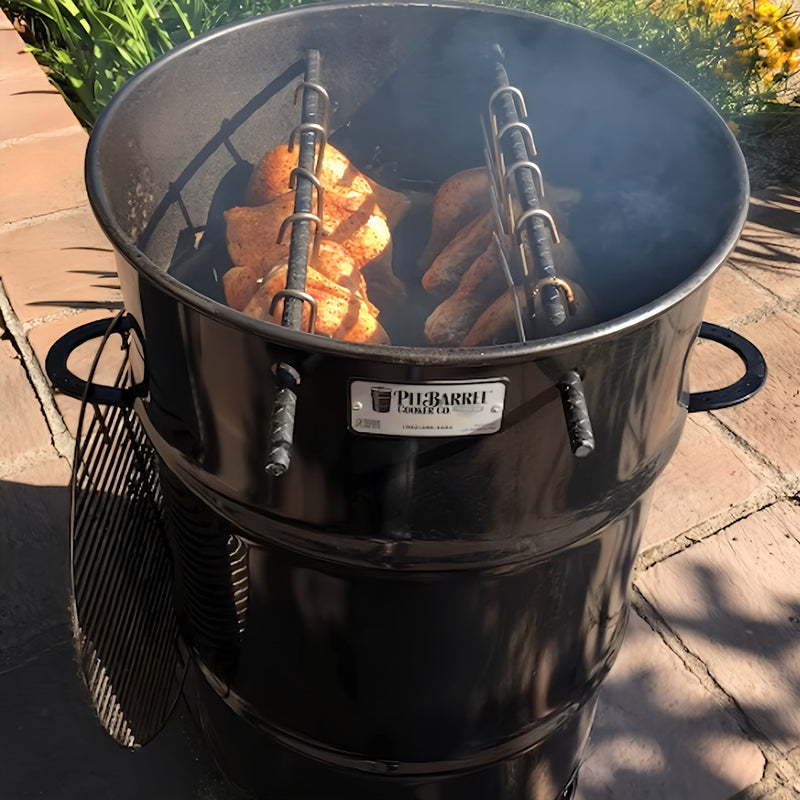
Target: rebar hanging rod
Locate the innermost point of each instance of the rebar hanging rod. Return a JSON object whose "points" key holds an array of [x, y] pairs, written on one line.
{"points": [[287, 377], [538, 230], [303, 197]]}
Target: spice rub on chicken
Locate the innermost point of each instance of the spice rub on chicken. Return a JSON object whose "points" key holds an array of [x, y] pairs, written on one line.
{"points": [[332, 279], [355, 252], [462, 265]]}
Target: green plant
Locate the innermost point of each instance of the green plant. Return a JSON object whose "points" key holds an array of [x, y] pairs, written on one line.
{"points": [[739, 54], [91, 47]]}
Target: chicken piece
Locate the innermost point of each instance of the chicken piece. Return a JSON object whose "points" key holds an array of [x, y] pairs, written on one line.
{"points": [[356, 223], [481, 285], [341, 313], [452, 319], [465, 196], [497, 323], [252, 234], [270, 179], [459, 200], [361, 228], [241, 283], [445, 273]]}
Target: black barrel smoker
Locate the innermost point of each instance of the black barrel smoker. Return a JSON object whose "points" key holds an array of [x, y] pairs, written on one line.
{"points": [[387, 612]]}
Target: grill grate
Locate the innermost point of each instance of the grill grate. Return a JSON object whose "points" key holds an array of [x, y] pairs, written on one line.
{"points": [[126, 633]]}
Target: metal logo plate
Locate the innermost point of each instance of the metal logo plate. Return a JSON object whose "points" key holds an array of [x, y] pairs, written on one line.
{"points": [[427, 409]]}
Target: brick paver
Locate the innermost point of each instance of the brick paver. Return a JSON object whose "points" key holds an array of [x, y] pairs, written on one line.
{"points": [[769, 421], [24, 431], [42, 176], [735, 295], [14, 58], [42, 337], [769, 250], [61, 262], [31, 106], [61, 753], [34, 614]]}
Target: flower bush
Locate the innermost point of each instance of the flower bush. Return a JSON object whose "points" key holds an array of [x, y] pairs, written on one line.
{"points": [[752, 47], [739, 54]]}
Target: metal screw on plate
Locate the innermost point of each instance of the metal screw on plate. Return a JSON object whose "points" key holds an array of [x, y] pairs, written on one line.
{"points": [[357, 406], [496, 408]]}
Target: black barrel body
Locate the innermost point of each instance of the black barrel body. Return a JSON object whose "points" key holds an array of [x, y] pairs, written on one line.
{"points": [[410, 616]]}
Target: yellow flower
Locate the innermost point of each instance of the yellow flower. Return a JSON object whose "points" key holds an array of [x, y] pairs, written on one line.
{"points": [[768, 11]]}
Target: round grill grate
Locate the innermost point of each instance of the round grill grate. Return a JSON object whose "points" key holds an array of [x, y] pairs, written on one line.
{"points": [[125, 626]]}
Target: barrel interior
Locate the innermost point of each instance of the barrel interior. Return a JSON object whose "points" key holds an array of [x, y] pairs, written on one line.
{"points": [[658, 176]]}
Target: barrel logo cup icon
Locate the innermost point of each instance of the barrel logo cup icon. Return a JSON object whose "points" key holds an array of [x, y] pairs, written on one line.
{"points": [[381, 399]]}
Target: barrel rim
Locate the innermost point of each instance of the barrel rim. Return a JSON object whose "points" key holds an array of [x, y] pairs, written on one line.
{"points": [[450, 356]]}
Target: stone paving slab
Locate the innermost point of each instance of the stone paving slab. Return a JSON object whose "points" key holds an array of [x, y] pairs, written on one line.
{"points": [[14, 58], [714, 478], [62, 753], [22, 426], [31, 104], [734, 295], [767, 791], [53, 746], [61, 263], [658, 735], [734, 601]]}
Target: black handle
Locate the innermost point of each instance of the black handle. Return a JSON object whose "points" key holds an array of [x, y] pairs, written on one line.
{"points": [[281, 433], [755, 371], [67, 382], [579, 426]]}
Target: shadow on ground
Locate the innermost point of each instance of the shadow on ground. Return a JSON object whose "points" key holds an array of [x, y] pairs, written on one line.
{"points": [[52, 746]]}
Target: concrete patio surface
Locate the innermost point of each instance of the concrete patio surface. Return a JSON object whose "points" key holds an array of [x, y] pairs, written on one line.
{"points": [[702, 704]]}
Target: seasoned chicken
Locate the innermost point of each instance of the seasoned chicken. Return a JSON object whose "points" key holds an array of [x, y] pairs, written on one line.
{"points": [[354, 222], [241, 283], [270, 179], [341, 312], [467, 271], [481, 285], [452, 319]]}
